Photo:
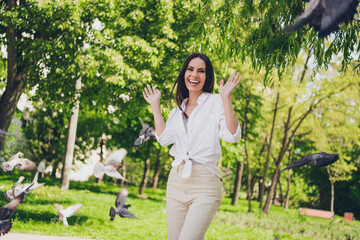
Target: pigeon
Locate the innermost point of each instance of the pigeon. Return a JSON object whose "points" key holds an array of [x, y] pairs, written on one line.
{"points": [[318, 159], [146, 133], [17, 188], [68, 212], [325, 16], [111, 165], [41, 166], [121, 207], [5, 133], [6, 212], [17, 162]]}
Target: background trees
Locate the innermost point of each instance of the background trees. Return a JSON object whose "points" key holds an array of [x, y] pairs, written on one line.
{"points": [[295, 98]]}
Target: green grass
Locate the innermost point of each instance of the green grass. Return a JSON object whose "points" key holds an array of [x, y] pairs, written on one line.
{"points": [[37, 215]]}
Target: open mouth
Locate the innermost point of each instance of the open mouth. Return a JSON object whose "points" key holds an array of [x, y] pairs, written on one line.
{"points": [[193, 82]]}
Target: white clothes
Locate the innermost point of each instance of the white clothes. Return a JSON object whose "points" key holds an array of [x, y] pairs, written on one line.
{"points": [[201, 142]]}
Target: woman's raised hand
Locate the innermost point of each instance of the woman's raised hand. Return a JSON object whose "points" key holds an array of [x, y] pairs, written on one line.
{"points": [[226, 90], [152, 95]]}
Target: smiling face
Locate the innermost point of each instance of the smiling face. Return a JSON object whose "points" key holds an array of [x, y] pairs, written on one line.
{"points": [[195, 75]]}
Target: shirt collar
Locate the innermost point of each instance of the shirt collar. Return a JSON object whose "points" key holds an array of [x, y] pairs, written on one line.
{"points": [[201, 99]]}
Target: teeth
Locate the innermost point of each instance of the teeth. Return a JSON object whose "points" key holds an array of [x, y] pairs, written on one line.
{"points": [[194, 81]]}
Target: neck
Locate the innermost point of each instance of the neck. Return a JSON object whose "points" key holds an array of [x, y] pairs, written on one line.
{"points": [[193, 97]]}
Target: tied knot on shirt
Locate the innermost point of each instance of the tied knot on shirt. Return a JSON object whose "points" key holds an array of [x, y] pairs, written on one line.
{"points": [[188, 162]]}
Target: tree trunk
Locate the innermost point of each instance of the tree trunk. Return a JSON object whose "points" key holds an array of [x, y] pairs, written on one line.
{"points": [[145, 175], [288, 184], [70, 141], [98, 180], [262, 187], [332, 189], [237, 184], [15, 80], [278, 162], [157, 170], [246, 152]]}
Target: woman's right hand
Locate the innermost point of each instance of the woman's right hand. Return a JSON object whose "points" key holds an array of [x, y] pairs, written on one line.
{"points": [[152, 95]]}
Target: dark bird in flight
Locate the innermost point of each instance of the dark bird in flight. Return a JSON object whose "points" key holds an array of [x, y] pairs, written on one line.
{"points": [[146, 133], [325, 16], [18, 162], [6, 212], [121, 207], [318, 159]]}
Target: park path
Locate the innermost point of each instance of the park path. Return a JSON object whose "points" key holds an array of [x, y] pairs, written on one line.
{"points": [[22, 236]]}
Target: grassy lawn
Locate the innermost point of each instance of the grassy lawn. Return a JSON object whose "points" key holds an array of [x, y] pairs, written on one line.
{"points": [[37, 215]]}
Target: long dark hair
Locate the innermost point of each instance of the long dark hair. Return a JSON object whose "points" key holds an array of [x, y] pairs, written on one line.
{"points": [[181, 91]]}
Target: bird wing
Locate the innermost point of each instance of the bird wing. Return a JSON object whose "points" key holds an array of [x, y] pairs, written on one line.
{"points": [[336, 12], [125, 213], [121, 198], [139, 141], [302, 161], [312, 12], [25, 164], [9, 165], [112, 172], [144, 129], [116, 157], [5, 227], [324, 159], [99, 170], [41, 166], [16, 156], [7, 210], [68, 212]]}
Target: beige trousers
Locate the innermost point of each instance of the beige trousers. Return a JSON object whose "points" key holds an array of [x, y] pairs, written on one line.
{"points": [[191, 203]]}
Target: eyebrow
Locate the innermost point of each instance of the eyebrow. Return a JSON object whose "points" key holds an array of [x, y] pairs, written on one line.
{"points": [[193, 67]]}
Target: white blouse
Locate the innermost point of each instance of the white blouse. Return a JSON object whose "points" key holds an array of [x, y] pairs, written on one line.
{"points": [[200, 143]]}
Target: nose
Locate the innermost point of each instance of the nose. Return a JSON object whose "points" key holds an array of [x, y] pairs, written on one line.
{"points": [[194, 73]]}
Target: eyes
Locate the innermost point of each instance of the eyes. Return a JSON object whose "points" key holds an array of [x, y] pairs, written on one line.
{"points": [[192, 69]]}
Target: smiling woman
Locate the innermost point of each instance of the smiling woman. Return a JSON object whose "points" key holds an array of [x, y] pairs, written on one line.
{"points": [[194, 188]]}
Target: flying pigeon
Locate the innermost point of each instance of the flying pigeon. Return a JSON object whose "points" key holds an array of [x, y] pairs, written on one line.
{"points": [[325, 15], [5, 133], [111, 165], [146, 133], [68, 212], [17, 162], [6, 212], [17, 188], [318, 159], [121, 207]]}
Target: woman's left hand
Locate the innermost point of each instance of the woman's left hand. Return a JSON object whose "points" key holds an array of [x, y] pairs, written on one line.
{"points": [[226, 90]]}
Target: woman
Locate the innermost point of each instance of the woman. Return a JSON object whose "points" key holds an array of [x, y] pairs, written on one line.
{"points": [[194, 188]]}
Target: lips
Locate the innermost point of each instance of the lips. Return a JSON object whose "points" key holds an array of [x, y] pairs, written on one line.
{"points": [[193, 82]]}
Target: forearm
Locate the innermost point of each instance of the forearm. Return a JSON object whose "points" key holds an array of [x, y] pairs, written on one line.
{"points": [[230, 118], [158, 119]]}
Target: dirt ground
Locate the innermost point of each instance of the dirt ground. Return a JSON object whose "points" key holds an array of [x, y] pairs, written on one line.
{"points": [[22, 236]]}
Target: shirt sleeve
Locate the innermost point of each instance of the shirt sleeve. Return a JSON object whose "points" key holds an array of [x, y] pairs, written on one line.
{"points": [[168, 136], [224, 132]]}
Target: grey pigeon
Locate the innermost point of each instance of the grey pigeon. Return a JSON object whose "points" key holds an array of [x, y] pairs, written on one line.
{"points": [[17, 188], [146, 133], [18, 162], [318, 159], [112, 164], [67, 212], [325, 16], [6, 212], [121, 207]]}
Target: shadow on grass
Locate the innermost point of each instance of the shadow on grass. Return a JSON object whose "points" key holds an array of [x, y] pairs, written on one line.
{"points": [[47, 217]]}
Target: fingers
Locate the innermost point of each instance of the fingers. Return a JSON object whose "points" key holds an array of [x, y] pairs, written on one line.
{"points": [[150, 91]]}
